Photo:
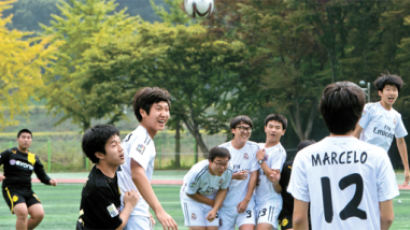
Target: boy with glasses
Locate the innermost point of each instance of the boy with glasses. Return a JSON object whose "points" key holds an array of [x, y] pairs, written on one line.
{"points": [[238, 206], [204, 189]]}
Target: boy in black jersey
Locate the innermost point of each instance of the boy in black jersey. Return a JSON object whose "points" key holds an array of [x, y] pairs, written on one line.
{"points": [[100, 198], [285, 216], [19, 164]]}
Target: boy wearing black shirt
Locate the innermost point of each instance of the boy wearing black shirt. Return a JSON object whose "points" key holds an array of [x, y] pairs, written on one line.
{"points": [[19, 164], [100, 198]]}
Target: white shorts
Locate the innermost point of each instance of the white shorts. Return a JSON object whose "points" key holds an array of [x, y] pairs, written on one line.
{"points": [[268, 212], [229, 217], [138, 223], [195, 214]]}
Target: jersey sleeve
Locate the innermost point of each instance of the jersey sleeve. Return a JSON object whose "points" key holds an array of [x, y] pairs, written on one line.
{"points": [[98, 207], [39, 170], [387, 187], [4, 156], [400, 130], [366, 117], [138, 152], [298, 184], [192, 184], [278, 161], [254, 164]]}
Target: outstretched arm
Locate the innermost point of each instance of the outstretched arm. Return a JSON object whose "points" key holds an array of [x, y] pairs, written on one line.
{"points": [[219, 198], [144, 187], [251, 187], [402, 147]]}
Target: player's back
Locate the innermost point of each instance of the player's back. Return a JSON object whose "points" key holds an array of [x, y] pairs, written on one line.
{"points": [[344, 180]]}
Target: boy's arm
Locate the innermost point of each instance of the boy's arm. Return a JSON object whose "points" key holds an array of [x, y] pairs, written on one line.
{"points": [[201, 199], [357, 131], [300, 215], [251, 187], [144, 187], [41, 174], [219, 198], [402, 147], [386, 214]]}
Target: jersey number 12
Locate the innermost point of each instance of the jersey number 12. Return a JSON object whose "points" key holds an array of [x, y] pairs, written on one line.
{"points": [[351, 209]]}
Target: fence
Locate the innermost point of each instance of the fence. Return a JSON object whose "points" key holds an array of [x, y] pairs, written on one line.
{"points": [[61, 151]]}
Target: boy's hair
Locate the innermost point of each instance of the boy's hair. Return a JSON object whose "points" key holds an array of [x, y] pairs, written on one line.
{"points": [[24, 131], [218, 152], [341, 106], [388, 79], [277, 117], [238, 119], [95, 138], [145, 97], [304, 144]]}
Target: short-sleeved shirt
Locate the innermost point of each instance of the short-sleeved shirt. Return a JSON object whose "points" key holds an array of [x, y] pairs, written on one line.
{"points": [[138, 146], [200, 180], [275, 157], [241, 159], [100, 202], [19, 166], [381, 125], [344, 179]]}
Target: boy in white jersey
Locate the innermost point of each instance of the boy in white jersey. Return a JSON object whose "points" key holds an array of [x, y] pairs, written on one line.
{"points": [[238, 206], [151, 107], [380, 122], [349, 183], [204, 189], [270, 158]]}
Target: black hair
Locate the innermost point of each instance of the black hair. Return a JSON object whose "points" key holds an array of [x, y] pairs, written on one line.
{"points": [[388, 79], [341, 106], [277, 117], [95, 139], [218, 152], [24, 131], [304, 144], [241, 118], [145, 97]]}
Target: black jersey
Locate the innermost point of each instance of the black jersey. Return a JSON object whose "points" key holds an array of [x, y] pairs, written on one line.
{"points": [[100, 202], [19, 166], [287, 207]]}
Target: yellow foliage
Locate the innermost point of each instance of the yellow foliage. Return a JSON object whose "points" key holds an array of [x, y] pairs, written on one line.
{"points": [[23, 57]]}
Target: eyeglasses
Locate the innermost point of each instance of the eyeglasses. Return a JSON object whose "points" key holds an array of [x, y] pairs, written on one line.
{"points": [[244, 128]]}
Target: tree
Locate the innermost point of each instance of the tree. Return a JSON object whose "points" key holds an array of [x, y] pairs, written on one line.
{"points": [[199, 73], [23, 58], [79, 22]]}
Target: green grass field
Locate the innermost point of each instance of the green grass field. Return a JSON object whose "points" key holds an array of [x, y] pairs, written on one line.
{"points": [[61, 205]]}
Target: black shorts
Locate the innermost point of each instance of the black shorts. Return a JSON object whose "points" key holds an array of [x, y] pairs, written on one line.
{"points": [[285, 222], [14, 196]]}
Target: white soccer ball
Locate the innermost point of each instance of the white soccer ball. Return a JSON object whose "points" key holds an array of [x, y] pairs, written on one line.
{"points": [[199, 8]]}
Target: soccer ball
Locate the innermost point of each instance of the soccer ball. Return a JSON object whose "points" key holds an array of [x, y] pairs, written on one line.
{"points": [[201, 8]]}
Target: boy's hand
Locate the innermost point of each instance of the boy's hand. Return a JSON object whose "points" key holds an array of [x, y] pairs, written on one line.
{"points": [[131, 197], [52, 182]]}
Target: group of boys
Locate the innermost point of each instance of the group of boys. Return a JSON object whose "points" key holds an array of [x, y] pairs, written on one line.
{"points": [[347, 182]]}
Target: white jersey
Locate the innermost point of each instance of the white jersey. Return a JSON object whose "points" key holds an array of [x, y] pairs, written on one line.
{"points": [[241, 159], [381, 125], [139, 147], [344, 179], [274, 158], [200, 180]]}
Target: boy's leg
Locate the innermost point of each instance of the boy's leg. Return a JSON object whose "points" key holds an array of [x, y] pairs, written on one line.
{"points": [[138, 223], [21, 216], [36, 212]]}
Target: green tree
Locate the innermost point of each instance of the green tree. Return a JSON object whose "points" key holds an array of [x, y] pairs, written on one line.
{"points": [[198, 72], [79, 22], [23, 57]]}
